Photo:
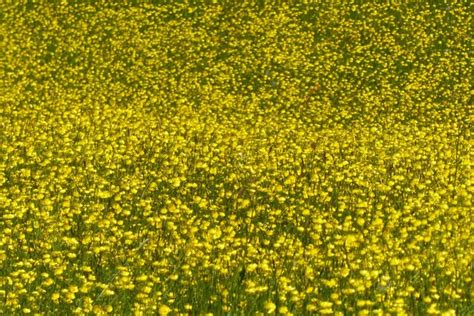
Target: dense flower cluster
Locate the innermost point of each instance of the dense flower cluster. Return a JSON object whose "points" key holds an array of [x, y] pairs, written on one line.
{"points": [[237, 157]]}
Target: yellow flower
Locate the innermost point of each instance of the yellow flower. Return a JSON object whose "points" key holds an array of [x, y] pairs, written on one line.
{"points": [[55, 297], [164, 310], [269, 307]]}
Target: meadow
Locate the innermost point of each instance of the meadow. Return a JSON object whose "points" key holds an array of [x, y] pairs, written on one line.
{"points": [[236, 158]]}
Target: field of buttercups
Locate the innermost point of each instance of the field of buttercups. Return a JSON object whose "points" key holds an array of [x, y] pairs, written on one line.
{"points": [[236, 158]]}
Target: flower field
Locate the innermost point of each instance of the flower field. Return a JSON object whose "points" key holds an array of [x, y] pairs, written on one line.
{"points": [[236, 158]]}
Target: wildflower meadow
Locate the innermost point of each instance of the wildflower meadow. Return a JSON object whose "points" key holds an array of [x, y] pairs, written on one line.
{"points": [[236, 157]]}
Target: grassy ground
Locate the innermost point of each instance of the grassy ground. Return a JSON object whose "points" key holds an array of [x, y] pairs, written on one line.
{"points": [[232, 158]]}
